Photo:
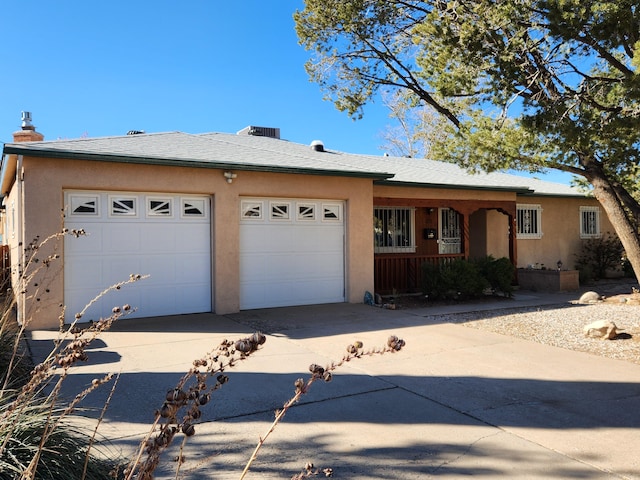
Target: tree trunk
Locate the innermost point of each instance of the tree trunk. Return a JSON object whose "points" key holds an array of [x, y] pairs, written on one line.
{"points": [[625, 230]]}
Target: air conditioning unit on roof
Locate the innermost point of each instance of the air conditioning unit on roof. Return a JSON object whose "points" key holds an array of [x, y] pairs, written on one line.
{"points": [[260, 131]]}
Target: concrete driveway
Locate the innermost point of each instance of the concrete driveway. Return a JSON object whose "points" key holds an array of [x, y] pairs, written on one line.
{"points": [[456, 402]]}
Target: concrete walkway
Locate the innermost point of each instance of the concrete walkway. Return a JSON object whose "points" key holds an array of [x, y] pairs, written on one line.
{"points": [[456, 402]]}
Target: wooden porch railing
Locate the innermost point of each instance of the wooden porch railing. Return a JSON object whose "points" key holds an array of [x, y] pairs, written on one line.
{"points": [[403, 273]]}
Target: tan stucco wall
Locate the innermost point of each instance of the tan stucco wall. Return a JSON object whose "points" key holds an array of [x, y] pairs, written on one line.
{"points": [[497, 234], [46, 179], [561, 231]]}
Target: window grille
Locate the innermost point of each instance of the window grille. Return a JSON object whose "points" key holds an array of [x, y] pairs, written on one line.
{"points": [[393, 230], [589, 222], [529, 221]]}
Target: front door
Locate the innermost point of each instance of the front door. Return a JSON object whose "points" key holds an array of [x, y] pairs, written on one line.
{"points": [[450, 232]]}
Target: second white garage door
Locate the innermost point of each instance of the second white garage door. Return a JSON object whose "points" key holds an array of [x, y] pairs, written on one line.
{"points": [[291, 252], [167, 236]]}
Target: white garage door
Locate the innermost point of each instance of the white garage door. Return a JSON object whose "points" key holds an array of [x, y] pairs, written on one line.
{"points": [[165, 236], [291, 252]]}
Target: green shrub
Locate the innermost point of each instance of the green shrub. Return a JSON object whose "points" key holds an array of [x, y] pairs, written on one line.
{"points": [[499, 273], [456, 279], [462, 278]]}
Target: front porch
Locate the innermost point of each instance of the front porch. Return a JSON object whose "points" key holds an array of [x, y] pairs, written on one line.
{"points": [[411, 232]]}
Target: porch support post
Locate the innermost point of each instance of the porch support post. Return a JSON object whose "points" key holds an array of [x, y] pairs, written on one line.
{"points": [[466, 244], [513, 244]]}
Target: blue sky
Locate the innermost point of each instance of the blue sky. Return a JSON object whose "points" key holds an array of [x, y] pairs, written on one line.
{"points": [[103, 68]]}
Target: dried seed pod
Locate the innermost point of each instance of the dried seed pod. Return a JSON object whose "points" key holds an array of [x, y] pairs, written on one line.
{"points": [[167, 410], [222, 379], [188, 429], [327, 377], [352, 349], [299, 384], [176, 395], [243, 346], [316, 369], [399, 344], [204, 399], [358, 344], [259, 338]]}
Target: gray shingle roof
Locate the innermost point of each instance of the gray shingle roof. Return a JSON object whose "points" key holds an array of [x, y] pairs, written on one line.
{"points": [[245, 152]]}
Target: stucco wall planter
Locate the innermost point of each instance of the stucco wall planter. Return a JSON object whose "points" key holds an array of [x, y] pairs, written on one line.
{"points": [[548, 280]]}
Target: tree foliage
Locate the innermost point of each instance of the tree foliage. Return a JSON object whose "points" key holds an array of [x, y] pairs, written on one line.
{"points": [[524, 84]]}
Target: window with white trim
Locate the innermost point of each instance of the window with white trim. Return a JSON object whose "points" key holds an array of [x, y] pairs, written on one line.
{"points": [[529, 221], [589, 222], [194, 208], [159, 207], [251, 209], [394, 230], [84, 204], [123, 206], [280, 211], [306, 211], [331, 212]]}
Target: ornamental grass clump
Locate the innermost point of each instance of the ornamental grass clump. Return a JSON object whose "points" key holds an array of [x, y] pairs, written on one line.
{"points": [[40, 435]]}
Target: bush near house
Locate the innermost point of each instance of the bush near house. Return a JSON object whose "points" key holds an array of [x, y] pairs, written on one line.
{"points": [[598, 256], [467, 278]]}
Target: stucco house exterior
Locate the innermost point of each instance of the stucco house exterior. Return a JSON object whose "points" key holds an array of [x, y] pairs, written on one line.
{"points": [[228, 222]]}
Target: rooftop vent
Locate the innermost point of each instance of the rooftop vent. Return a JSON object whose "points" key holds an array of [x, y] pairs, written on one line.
{"points": [[260, 131], [135, 132], [317, 145]]}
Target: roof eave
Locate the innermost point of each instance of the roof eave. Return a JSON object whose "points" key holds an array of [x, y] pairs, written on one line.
{"points": [[394, 183], [176, 162]]}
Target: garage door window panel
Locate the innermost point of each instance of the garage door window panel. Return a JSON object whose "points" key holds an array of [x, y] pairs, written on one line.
{"points": [[332, 212], [252, 210], [194, 208], [306, 212], [123, 206], [280, 211], [84, 205], [159, 207]]}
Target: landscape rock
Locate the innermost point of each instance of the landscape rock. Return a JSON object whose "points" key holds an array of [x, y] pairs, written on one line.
{"points": [[590, 297], [602, 328]]}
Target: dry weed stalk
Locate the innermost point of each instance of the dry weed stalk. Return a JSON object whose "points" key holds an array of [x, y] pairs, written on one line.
{"points": [[59, 361], [31, 283], [354, 351], [181, 408]]}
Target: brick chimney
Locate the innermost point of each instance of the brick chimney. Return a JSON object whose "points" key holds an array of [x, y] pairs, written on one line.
{"points": [[28, 132]]}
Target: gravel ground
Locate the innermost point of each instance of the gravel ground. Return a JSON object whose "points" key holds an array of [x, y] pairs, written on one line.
{"points": [[562, 326]]}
